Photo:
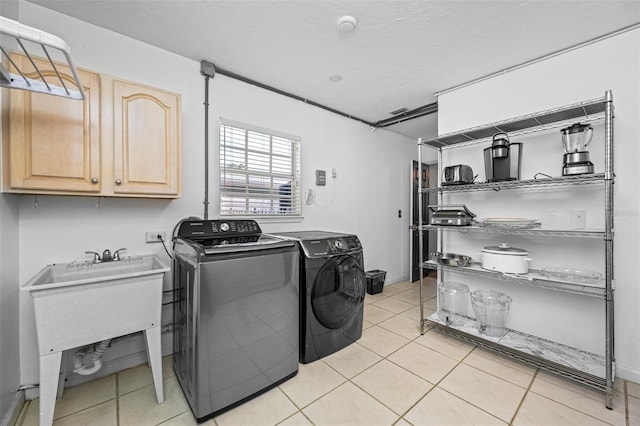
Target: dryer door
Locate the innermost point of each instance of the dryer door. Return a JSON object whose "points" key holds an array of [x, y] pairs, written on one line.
{"points": [[338, 291]]}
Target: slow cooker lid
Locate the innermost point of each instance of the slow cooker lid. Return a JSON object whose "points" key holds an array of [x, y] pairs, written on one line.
{"points": [[504, 248]]}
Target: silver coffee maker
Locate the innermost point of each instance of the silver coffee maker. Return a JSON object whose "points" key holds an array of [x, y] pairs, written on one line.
{"points": [[502, 159]]}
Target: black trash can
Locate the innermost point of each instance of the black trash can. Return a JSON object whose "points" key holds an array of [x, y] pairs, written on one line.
{"points": [[375, 281]]}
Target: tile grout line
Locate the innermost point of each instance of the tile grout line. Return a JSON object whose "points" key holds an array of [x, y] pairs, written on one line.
{"points": [[533, 379], [117, 399]]}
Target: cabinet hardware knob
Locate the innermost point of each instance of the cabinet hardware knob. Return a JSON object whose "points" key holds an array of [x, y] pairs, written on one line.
{"points": [[94, 180], [118, 182]]}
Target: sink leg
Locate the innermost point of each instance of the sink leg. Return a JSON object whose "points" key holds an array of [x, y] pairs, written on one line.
{"points": [[154, 354], [49, 373]]}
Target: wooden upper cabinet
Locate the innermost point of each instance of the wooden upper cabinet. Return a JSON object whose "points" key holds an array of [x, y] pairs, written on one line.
{"points": [[146, 140], [54, 142], [122, 140]]}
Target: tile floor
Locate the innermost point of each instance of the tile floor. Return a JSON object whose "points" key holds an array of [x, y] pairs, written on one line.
{"points": [[391, 376]]}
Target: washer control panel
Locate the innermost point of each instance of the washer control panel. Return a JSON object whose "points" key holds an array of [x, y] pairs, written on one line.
{"points": [[217, 228], [332, 246]]}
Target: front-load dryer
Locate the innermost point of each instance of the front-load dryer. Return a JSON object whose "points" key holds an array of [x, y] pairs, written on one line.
{"points": [[332, 290]]}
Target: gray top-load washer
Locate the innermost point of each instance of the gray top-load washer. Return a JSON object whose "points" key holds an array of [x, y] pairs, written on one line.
{"points": [[235, 312]]}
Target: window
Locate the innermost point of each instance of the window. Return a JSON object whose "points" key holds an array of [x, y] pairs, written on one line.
{"points": [[259, 172]]}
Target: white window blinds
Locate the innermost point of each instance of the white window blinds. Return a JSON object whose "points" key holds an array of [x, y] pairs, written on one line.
{"points": [[259, 172]]}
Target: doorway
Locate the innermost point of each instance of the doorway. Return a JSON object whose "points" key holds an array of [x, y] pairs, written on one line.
{"points": [[429, 176]]}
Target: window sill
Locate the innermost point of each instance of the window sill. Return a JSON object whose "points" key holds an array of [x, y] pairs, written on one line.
{"points": [[266, 219]]}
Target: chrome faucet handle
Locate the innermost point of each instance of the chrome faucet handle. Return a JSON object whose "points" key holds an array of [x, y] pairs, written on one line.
{"points": [[116, 254], [96, 256], [106, 256]]}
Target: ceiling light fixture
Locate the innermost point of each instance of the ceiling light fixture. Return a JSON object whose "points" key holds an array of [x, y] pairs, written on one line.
{"points": [[347, 24]]}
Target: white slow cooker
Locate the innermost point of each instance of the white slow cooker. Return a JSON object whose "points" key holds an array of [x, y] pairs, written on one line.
{"points": [[504, 258]]}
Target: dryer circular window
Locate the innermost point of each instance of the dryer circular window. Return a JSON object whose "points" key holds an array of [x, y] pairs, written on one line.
{"points": [[338, 291]]}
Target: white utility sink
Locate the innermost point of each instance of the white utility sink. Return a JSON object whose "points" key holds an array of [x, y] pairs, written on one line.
{"points": [[80, 303]]}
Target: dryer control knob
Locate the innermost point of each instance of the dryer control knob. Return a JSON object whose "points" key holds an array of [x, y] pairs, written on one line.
{"points": [[339, 245]]}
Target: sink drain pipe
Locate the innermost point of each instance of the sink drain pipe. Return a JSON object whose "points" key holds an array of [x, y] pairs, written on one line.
{"points": [[79, 365]]}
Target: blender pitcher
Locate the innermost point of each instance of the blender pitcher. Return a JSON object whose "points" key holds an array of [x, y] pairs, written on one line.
{"points": [[575, 140]]}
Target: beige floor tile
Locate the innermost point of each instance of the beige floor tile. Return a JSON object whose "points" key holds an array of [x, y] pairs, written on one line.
{"points": [[413, 313], [401, 285], [447, 345], [312, 381], [393, 304], [86, 395], [440, 408], [633, 389], [381, 341], [366, 324], [352, 360], [141, 407], [493, 395], [426, 363], [408, 328], [537, 410], [394, 386], [134, 378], [430, 306], [298, 419], [349, 405], [186, 419], [402, 422], [269, 408], [167, 367], [512, 371], [374, 314], [634, 410], [582, 398], [391, 290], [410, 296], [105, 414], [372, 298], [140, 376]]}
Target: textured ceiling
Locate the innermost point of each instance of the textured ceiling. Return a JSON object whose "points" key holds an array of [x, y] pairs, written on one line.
{"points": [[400, 54]]}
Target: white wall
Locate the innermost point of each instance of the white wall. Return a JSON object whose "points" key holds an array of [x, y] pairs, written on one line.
{"points": [[373, 168], [574, 76], [9, 292]]}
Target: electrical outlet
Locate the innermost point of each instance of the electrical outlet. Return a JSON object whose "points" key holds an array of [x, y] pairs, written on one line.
{"points": [[155, 236]]}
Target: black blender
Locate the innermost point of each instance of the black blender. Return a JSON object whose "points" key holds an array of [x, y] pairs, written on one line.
{"points": [[575, 140]]}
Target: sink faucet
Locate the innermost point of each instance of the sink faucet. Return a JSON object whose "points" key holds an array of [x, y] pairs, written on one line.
{"points": [[116, 254], [106, 255], [96, 256]]}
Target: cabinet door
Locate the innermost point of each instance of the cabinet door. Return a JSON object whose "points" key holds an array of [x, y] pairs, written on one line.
{"points": [[146, 140], [54, 142]]}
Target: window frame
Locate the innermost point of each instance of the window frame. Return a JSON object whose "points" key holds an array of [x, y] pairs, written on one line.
{"points": [[264, 199]]}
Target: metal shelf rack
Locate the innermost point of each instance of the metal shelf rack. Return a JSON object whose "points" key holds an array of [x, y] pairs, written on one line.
{"points": [[547, 182], [578, 233], [602, 375], [533, 278]]}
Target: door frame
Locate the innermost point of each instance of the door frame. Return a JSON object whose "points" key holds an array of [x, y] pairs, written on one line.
{"points": [[433, 172]]}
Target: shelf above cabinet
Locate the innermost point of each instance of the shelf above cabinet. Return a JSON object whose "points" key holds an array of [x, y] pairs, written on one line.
{"points": [[518, 184], [573, 363], [579, 233], [534, 278], [587, 111]]}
